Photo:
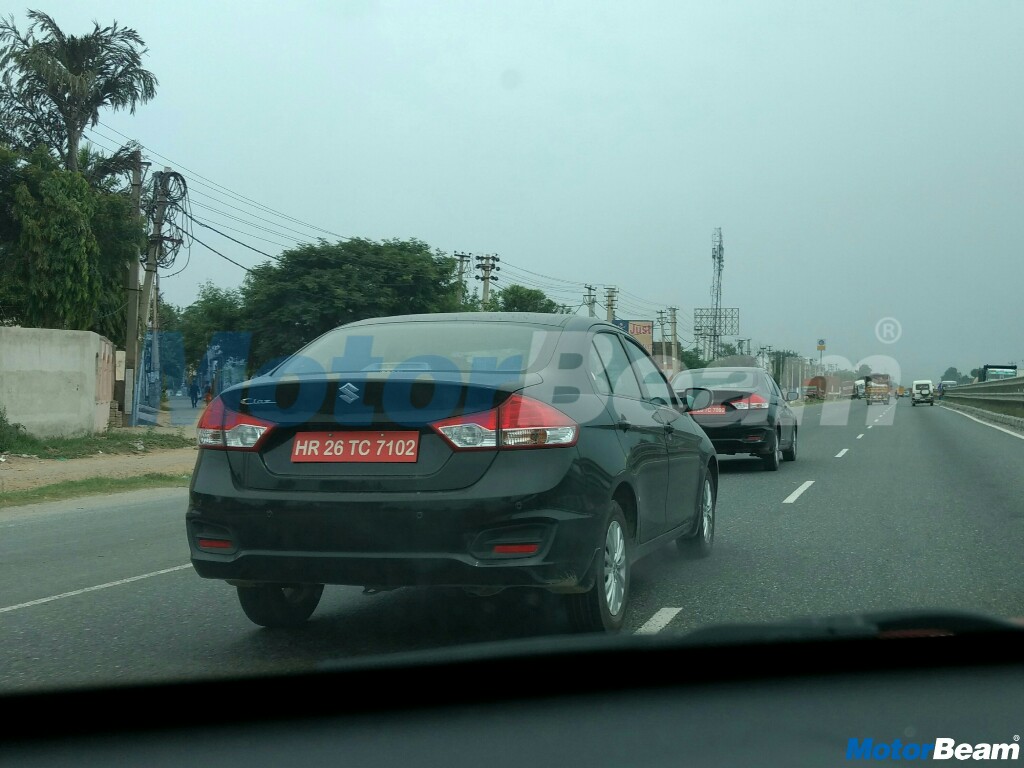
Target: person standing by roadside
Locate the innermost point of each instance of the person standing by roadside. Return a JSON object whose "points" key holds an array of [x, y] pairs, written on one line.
{"points": [[193, 393], [209, 395]]}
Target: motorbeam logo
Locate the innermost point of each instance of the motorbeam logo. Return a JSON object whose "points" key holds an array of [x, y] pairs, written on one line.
{"points": [[940, 749]]}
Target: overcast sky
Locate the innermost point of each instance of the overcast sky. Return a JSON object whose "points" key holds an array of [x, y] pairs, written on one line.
{"points": [[863, 159]]}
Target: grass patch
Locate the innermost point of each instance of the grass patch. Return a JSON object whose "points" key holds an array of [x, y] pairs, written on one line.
{"points": [[72, 489], [114, 441]]}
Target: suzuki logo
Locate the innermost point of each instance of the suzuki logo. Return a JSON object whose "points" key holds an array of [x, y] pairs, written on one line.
{"points": [[348, 393]]}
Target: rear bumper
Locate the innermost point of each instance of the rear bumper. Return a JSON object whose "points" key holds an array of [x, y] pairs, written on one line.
{"points": [[738, 438], [343, 552], [514, 528]]}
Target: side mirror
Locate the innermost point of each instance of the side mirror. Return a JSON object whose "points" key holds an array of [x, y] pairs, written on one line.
{"points": [[696, 398], [792, 395]]}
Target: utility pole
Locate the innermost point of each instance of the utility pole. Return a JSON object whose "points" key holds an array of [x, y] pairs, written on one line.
{"points": [[487, 265], [131, 335], [463, 263], [156, 244], [675, 338], [156, 240], [156, 338], [591, 299], [661, 325], [609, 302]]}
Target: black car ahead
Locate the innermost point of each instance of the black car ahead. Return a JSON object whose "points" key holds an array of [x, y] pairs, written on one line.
{"points": [[749, 413], [477, 450]]}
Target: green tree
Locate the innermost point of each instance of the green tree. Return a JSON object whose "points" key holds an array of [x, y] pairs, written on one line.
{"points": [[215, 310], [64, 247], [121, 236], [53, 258], [53, 85], [951, 374], [313, 288], [518, 298]]}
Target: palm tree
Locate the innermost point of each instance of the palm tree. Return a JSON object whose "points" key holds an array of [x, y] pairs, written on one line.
{"points": [[53, 85]]}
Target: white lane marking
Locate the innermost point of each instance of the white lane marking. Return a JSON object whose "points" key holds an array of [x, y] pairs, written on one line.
{"points": [[108, 585], [994, 426], [870, 426], [658, 621], [860, 435], [796, 494], [841, 453]]}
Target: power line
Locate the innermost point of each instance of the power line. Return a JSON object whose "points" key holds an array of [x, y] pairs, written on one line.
{"points": [[209, 248], [229, 237], [273, 229], [226, 189], [243, 232], [548, 277]]}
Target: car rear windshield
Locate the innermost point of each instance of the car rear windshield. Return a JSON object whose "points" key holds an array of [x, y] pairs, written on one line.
{"points": [[712, 379], [923, 387], [455, 346]]}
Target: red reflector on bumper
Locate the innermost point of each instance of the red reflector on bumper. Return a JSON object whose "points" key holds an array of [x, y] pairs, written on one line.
{"points": [[515, 549], [215, 544]]}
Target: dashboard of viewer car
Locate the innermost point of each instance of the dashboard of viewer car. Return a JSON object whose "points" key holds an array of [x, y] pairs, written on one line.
{"points": [[594, 701]]}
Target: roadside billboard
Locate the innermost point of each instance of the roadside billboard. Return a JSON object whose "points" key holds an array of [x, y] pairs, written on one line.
{"points": [[641, 330]]}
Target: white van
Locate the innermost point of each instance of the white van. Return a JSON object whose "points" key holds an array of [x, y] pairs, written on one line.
{"points": [[923, 392]]}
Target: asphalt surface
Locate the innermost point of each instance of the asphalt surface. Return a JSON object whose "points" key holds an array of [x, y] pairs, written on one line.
{"points": [[885, 508]]}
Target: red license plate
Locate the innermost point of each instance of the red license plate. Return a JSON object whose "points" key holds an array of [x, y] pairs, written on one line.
{"points": [[356, 447], [712, 409]]}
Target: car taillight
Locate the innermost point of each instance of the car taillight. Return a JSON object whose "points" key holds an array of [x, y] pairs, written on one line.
{"points": [[221, 427], [752, 402], [519, 422]]}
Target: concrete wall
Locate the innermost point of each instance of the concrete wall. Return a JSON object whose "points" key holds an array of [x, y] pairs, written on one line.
{"points": [[57, 383]]}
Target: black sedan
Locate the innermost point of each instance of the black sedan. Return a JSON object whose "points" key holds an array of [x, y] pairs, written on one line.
{"points": [[476, 450], [748, 415]]}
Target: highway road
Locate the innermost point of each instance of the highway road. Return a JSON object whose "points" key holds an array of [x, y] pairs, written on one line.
{"points": [[887, 507]]}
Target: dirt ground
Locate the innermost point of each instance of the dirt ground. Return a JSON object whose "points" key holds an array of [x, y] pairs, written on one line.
{"points": [[20, 474]]}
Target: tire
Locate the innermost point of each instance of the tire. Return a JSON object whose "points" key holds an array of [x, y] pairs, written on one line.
{"points": [[771, 461], [603, 607], [789, 454], [700, 544], [931, 403], [280, 605]]}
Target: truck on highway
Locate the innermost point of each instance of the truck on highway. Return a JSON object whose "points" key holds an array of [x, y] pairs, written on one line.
{"points": [[879, 388], [994, 372], [815, 388]]}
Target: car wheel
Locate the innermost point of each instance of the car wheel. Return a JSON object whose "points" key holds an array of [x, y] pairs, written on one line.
{"points": [[701, 543], [772, 460], [789, 454], [603, 607], [280, 605]]}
